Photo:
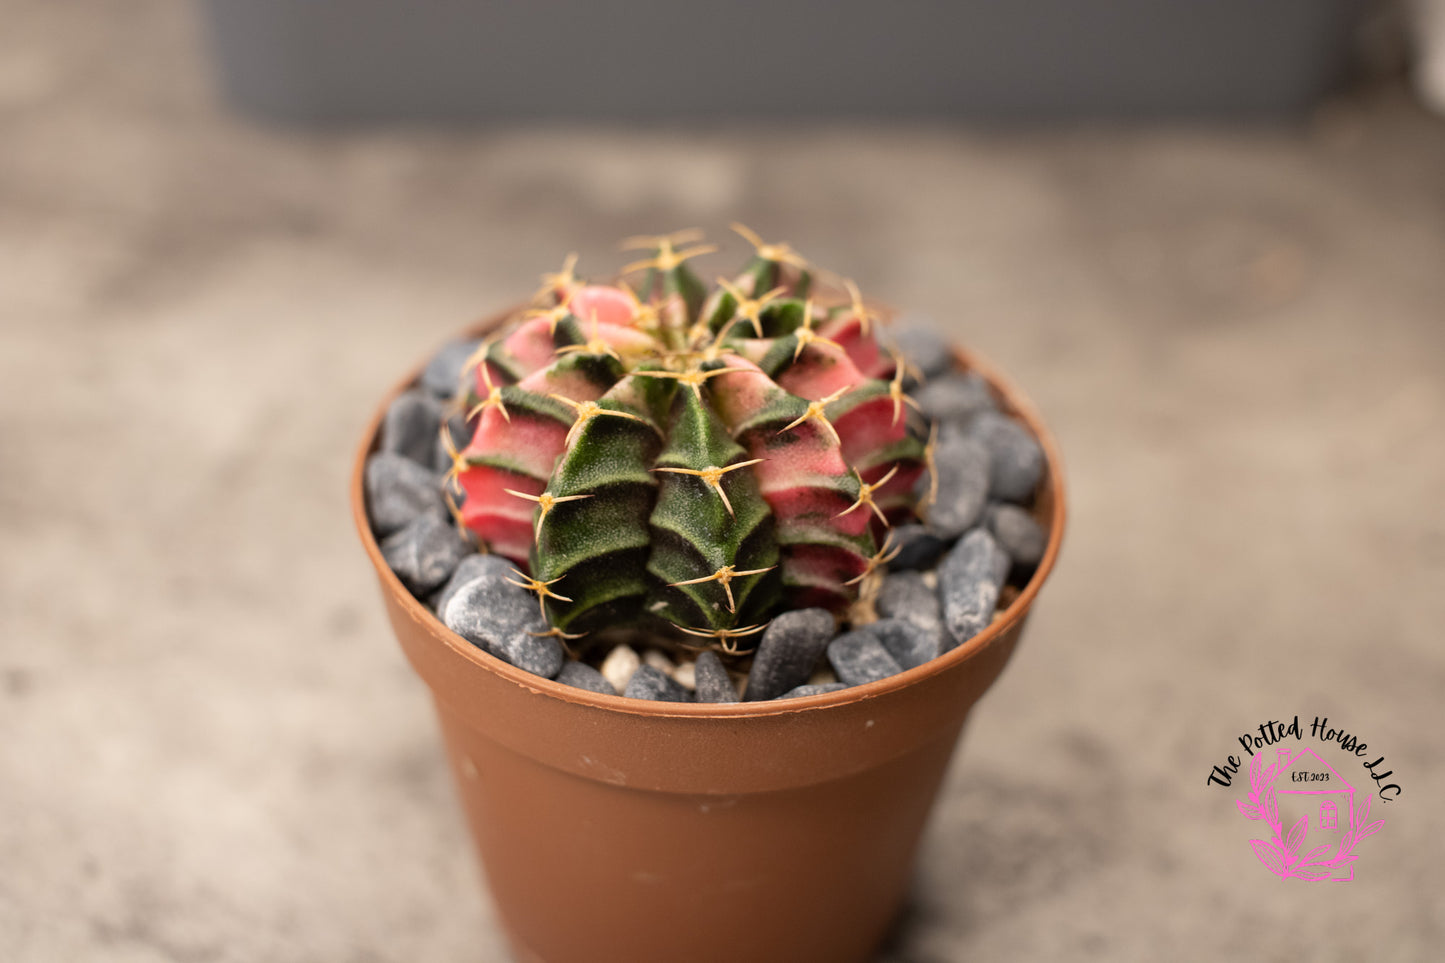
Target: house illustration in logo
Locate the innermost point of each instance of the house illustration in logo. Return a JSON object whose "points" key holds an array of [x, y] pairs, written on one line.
{"points": [[1314, 818], [1307, 786]]}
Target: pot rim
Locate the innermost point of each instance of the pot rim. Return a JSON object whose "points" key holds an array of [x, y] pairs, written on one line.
{"points": [[1014, 401]]}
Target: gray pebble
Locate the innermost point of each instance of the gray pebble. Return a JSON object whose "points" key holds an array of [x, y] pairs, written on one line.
{"points": [[398, 490], [968, 583], [956, 396], [918, 548], [807, 690], [411, 426], [650, 682], [461, 438], [923, 345], [580, 675], [712, 681], [472, 567], [1017, 534], [424, 553], [1002, 564], [1016, 462], [443, 373], [502, 619], [538, 654], [909, 645], [790, 648], [858, 657], [904, 595], [962, 462]]}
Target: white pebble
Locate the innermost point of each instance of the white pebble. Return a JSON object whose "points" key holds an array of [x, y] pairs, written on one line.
{"points": [[659, 661], [685, 675], [823, 675], [619, 665]]}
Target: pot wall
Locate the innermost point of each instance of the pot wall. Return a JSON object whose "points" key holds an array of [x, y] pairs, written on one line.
{"points": [[584, 870]]}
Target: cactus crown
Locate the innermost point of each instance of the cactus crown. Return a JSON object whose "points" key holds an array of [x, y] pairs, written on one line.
{"points": [[673, 455]]}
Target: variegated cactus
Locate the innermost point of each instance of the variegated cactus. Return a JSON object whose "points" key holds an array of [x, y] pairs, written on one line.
{"points": [[662, 453]]}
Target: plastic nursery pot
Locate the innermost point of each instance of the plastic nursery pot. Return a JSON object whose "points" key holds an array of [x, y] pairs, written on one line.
{"points": [[614, 829]]}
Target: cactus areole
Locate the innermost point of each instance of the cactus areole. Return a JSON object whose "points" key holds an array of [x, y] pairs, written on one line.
{"points": [[685, 459]]}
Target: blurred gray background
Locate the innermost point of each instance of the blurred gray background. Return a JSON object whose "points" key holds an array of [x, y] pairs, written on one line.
{"points": [[212, 750], [680, 60]]}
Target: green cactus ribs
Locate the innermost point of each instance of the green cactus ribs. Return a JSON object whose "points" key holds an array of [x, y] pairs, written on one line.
{"points": [[686, 459]]}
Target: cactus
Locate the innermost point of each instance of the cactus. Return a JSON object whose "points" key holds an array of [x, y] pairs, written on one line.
{"points": [[662, 453]]}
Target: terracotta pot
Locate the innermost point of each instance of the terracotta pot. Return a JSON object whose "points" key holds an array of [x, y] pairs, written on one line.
{"points": [[618, 829]]}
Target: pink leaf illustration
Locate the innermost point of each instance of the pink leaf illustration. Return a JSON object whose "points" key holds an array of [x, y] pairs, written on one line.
{"points": [[1248, 811], [1313, 873], [1271, 808], [1269, 856], [1371, 829], [1316, 853], [1345, 860], [1297, 834], [1362, 813], [1256, 777]]}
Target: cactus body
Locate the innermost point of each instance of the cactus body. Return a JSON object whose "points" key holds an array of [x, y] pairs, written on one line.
{"points": [[670, 454]]}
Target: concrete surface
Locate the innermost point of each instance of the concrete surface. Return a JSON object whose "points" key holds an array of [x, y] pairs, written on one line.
{"points": [[210, 748]]}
